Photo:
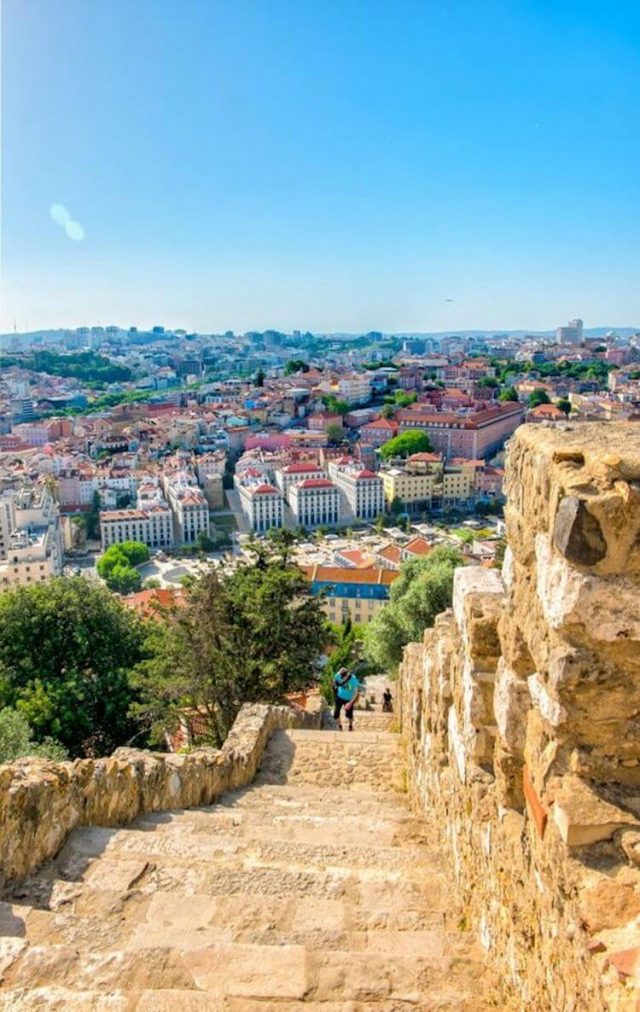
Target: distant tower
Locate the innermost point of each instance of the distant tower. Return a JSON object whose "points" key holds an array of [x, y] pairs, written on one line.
{"points": [[572, 333]]}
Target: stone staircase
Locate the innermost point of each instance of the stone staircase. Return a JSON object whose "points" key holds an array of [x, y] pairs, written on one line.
{"points": [[313, 888]]}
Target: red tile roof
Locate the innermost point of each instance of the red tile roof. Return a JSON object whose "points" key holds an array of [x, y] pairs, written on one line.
{"points": [[418, 547], [301, 468], [391, 553], [316, 483], [265, 490], [337, 574]]}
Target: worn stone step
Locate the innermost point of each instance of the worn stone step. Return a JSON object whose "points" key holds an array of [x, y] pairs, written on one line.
{"points": [[261, 824], [233, 851], [286, 972]]}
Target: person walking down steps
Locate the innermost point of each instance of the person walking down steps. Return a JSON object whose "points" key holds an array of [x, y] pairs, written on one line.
{"points": [[346, 689]]}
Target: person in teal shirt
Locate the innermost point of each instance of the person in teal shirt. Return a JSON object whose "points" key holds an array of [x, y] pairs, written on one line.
{"points": [[346, 689]]}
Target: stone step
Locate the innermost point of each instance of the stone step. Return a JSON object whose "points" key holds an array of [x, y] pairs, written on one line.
{"points": [[304, 827], [326, 851], [315, 888], [253, 972]]}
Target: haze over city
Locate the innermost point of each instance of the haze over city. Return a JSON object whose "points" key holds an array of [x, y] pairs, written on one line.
{"points": [[426, 167]]}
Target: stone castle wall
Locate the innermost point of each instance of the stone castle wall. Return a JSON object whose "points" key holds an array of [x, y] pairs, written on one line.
{"points": [[521, 710], [41, 802]]}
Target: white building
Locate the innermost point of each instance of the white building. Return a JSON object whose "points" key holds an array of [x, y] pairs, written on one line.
{"points": [[315, 501], [190, 513], [355, 388], [291, 475], [362, 489], [188, 504], [152, 526], [31, 547], [262, 504]]}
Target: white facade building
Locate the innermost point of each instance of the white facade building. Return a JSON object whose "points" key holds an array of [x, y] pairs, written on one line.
{"points": [[362, 489], [152, 526], [31, 546], [355, 388], [190, 513], [293, 474], [262, 504], [315, 501]]}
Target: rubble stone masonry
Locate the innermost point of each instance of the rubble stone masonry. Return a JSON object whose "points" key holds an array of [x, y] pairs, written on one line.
{"points": [[41, 802], [521, 712]]}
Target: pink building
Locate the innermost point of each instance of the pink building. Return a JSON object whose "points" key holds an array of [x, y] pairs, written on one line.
{"points": [[378, 432]]}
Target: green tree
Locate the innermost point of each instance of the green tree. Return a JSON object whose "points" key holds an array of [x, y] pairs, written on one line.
{"points": [[508, 394], [152, 583], [564, 405], [74, 685], [295, 365], [335, 432], [112, 557], [124, 579], [93, 517], [406, 444], [16, 740], [387, 412], [135, 552], [117, 566], [248, 636], [403, 399], [423, 589], [260, 377], [205, 542], [336, 406], [539, 396]]}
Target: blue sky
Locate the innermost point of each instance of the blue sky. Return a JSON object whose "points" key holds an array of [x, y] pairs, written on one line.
{"points": [[321, 164]]}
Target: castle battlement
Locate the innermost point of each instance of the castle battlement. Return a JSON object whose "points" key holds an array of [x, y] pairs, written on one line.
{"points": [[520, 709]]}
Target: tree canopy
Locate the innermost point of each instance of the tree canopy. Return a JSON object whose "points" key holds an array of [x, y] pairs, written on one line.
{"points": [[406, 444], [423, 589], [117, 566], [66, 649], [335, 406], [295, 365], [16, 740], [508, 394], [248, 636], [539, 396]]}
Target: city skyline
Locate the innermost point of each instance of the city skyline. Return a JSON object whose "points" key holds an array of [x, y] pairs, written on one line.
{"points": [[433, 168]]}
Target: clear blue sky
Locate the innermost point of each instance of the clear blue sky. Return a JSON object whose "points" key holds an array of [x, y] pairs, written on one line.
{"points": [[321, 164]]}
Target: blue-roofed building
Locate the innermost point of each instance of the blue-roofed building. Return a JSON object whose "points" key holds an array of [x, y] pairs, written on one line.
{"points": [[357, 593]]}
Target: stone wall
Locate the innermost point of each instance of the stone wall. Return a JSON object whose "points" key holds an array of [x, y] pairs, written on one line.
{"points": [[41, 802], [521, 710]]}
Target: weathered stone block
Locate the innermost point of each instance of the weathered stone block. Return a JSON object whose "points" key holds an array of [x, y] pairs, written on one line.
{"points": [[582, 816], [577, 534], [511, 702]]}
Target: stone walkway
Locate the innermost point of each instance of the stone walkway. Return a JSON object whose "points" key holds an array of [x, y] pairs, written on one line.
{"points": [[313, 888]]}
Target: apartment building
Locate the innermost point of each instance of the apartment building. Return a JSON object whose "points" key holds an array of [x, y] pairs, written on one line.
{"points": [[315, 501], [481, 434], [350, 593], [378, 432], [417, 481], [293, 474], [190, 512], [31, 545], [362, 489], [262, 505], [152, 526], [76, 487], [355, 388]]}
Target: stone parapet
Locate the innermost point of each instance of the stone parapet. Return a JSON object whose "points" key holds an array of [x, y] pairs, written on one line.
{"points": [[521, 712], [41, 802]]}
